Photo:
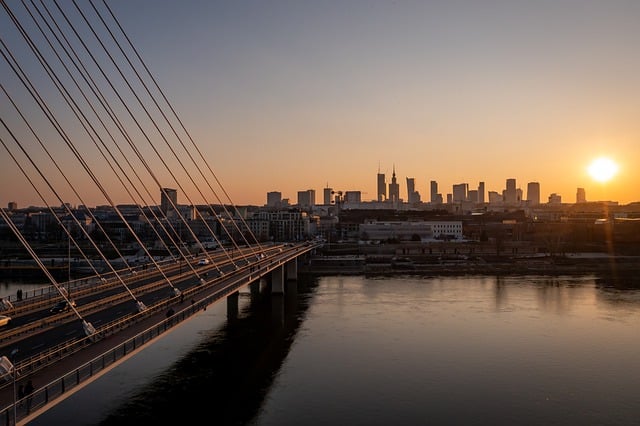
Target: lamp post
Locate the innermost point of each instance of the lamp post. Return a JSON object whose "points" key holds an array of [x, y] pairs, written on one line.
{"points": [[69, 260], [13, 354]]}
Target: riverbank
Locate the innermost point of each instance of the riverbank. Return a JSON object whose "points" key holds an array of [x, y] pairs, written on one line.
{"points": [[618, 271]]}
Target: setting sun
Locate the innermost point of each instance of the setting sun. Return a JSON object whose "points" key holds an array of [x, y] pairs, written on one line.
{"points": [[602, 169]]}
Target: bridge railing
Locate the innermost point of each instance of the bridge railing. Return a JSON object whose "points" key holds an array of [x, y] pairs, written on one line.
{"points": [[55, 353], [56, 388], [49, 291], [22, 408]]}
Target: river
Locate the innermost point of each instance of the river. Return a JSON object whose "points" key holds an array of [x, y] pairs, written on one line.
{"points": [[355, 350]]}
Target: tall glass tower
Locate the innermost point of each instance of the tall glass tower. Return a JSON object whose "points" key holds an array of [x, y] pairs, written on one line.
{"points": [[382, 186]]}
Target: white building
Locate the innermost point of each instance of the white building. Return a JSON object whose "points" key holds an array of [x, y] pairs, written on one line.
{"points": [[408, 231]]}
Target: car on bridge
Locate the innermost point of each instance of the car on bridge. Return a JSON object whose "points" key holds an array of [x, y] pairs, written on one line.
{"points": [[62, 306], [204, 262], [4, 320]]}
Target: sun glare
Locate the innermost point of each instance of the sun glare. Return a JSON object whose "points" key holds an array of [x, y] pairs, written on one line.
{"points": [[602, 169]]}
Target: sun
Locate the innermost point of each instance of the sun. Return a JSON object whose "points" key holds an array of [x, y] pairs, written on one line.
{"points": [[602, 169]]}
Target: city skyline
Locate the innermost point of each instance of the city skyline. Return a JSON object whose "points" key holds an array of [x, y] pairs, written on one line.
{"points": [[513, 193], [285, 97], [510, 190]]}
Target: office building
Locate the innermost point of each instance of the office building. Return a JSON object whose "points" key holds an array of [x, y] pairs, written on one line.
{"points": [[434, 192], [555, 199], [168, 200], [413, 196], [581, 196], [274, 199], [353, 197], [407, 230], [533, 193], [510, 194], [327, 195], [481, 192], [460, 192], [411, 187], [307, 199], [495, 198], [382, 187]]}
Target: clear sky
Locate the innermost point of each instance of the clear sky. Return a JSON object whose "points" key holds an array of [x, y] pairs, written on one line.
{"points": [[294, 95]]}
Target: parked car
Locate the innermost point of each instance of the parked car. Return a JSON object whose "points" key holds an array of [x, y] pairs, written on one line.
{"points": [[62, 306], [4, 320]]}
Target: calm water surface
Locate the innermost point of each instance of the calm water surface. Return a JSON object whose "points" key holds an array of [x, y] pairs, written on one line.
{"points": [[351, 350]]}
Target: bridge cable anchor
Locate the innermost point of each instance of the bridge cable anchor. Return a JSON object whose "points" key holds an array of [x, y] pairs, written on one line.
{"points": [[89, 329]]}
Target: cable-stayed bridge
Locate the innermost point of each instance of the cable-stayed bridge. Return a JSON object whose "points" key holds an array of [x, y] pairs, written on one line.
{"points": [[82, 118], [55, 348]]}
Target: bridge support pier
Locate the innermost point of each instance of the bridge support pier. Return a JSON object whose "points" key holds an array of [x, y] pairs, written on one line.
{"points": [[254, 287], [284, 302], [277, 280], [278, 308], [292, 269], [232, 305]]}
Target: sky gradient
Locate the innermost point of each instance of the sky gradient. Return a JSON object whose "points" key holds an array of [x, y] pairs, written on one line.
{"points": [[288, 95]]}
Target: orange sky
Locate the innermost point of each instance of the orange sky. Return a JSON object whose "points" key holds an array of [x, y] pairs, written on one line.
{"points": [[288, 97]]}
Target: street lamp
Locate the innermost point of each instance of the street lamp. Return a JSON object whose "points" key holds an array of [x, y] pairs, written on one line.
{"points": [[13, 354], [69, 260]]}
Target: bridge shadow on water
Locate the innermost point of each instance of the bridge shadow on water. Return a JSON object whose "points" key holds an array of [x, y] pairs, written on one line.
{"points": [[226, 378]]}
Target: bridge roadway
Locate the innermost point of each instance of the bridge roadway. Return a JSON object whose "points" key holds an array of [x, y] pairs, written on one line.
{"points": [[31, 316], [49, 347]]}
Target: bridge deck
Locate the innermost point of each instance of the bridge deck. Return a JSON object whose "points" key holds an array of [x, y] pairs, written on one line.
{"points": [[49, 382]]}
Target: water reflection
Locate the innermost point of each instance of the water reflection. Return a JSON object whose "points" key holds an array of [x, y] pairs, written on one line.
{"points": [[227, 376], [459, 350], [621, 282], [473, 350]]}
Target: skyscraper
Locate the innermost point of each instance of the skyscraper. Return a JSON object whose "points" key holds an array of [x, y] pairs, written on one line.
{"points": [[168, 200], [413, 196], [434, 191], [382, 186], [411, 187], [533, 193], [307, 199], [510, 194], [394, 188], [327, 195], [581, 196], [460, 192], [481, 192]]}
